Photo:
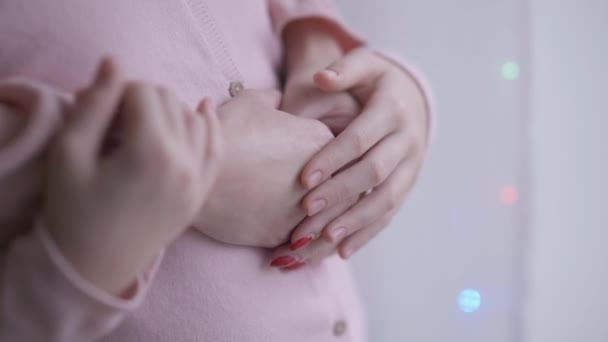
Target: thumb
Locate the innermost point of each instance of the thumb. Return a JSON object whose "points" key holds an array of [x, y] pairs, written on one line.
{"points": [[356, 68]]}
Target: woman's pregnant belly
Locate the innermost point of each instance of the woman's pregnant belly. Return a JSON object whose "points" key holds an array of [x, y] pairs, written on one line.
{"points": [[209, 291]]}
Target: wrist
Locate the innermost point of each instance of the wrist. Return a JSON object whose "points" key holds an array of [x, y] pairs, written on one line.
{"points": [[310, 43], [109, 263]]}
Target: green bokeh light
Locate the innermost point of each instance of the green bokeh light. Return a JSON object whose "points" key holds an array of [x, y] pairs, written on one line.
{"points": [[510, 71]]}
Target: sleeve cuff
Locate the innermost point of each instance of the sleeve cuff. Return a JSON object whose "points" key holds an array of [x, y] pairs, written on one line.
{"points": [[284, 12], [39, 108], [127, 303]]}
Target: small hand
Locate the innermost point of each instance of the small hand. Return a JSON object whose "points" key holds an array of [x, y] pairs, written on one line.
{"points": [[257, 196], [110, 212]]}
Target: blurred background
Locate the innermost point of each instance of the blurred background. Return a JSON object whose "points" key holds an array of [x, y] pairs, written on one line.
{"points": [[505, 237]]}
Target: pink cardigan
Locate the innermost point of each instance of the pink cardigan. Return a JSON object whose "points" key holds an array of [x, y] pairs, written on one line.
{"points": [[203, 290]]}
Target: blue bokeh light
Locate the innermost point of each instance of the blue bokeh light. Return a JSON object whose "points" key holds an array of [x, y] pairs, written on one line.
{"points": [[469, 300]]}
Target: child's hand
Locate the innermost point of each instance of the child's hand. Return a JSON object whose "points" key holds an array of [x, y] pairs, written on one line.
{"points": [[256, 200], [111, 213]]}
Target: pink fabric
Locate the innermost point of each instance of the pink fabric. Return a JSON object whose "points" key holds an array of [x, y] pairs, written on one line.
{"points": [[202, 290]]}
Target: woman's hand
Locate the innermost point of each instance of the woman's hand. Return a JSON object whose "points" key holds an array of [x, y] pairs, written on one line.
{"points": [[310, 45], [304, 99], [256, 199], [111, 211], [381, 150]]}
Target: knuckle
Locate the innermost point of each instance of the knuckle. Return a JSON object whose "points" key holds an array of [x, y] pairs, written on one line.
{"points": [[377, 172], [391, 204], [364, 220], [396, 106], [358, 142], [158, 160], [400, 118], [399, 106], [340, 194]]}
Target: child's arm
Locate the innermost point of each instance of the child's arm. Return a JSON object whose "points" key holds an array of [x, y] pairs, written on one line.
{"points": [[105, 217], [30, 113], [43, 298]]}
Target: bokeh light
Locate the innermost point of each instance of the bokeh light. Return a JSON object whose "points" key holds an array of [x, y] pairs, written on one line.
{"points": [[510, 71], [469, 300], [509, 195]]}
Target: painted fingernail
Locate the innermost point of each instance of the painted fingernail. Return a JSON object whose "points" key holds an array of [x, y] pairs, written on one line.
{"points": [[315, 178], [316, 206], [295, 266], [301, 243], [338, 233], [283, 261]]}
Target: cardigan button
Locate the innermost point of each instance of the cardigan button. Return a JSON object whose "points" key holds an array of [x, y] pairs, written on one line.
{"points": [[339, 328], [235, 88]]}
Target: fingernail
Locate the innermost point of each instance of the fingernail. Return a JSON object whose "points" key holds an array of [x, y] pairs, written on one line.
{"points": [[301, 243], [314, 179], [338, 233], [331, 73], [316, 206], [283, 261], [295, 266]]}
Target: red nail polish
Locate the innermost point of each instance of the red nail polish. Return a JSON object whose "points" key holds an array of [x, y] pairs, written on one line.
{"points": [[295, 266], [283, 261], [301, 243]]}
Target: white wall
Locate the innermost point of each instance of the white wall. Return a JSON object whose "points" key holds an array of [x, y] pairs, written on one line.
{"points": [[454, 232], [541, 265], [568, 274]]}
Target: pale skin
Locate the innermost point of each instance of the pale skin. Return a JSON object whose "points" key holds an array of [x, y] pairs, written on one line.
{"points": [[245, 205], [367, 91], [97, 206], [380, 147]]}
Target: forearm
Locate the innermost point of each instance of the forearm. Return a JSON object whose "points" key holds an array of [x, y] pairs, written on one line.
{"points": [[39, 285]]}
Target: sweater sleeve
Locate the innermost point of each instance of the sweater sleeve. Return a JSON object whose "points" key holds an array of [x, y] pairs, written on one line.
{"points": [[284, 12], [30, 113], [42, 297]]}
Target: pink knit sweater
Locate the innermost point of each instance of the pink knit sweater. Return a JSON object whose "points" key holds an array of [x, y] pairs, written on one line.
{"points": [[200, 289]]}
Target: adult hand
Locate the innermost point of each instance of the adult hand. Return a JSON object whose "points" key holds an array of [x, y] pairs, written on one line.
{"points": [[256, 198], [304, 99], [382, 149]]}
